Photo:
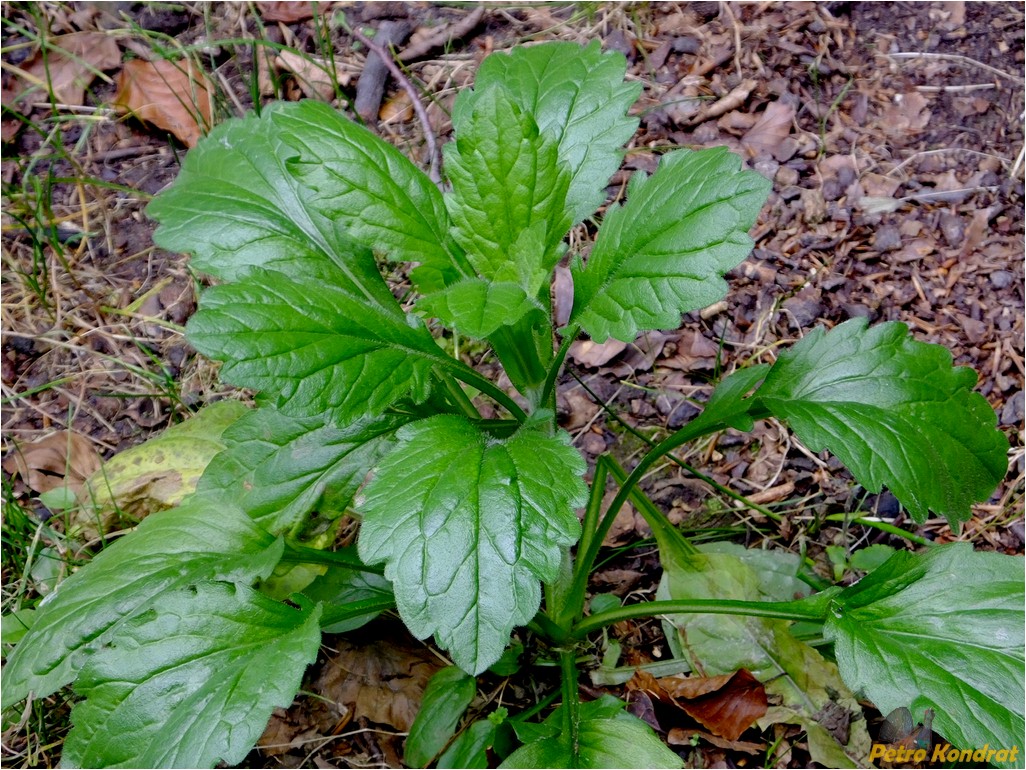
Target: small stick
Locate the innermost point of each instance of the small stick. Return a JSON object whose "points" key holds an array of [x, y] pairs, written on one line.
{"points": [[953, 57], [418, 107]]}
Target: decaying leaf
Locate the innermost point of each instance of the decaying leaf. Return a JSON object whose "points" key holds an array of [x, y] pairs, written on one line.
{"points": [[312, 73], [769, 130], [58, 460], [158, 473], [173, 95], [727, 705], [290, 11], [380, 680], [67, 66]]}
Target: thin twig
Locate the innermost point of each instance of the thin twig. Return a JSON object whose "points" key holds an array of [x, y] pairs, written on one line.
{"points": [[410, 89], [953, 57]]}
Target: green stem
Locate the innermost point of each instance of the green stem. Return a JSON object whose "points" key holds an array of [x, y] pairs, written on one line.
{"points": [[552, 376], [575, 599], [724, 490], [300, 554], [780, 610], [459, 396], [571, 699], [883, 526], [466, 374]]}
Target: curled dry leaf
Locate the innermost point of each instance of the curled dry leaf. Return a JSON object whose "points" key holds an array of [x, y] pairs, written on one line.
{"points": [[67, 67], [173, 95], [58, 460], [726, 705]]}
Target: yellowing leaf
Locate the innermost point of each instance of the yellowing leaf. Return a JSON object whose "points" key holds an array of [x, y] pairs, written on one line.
{"points": [[170, 95], [158, 473]]}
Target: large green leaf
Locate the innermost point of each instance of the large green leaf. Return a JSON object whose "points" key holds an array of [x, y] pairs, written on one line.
{"points": [[478, 308], [446, 697], [943, 630], [467, 525], [192, 681], [279, 468], [370, 188], [894, 411], [316, 349], [508, 199], [235, 206], [664, 251], [204, 539], [578, 95], [607, 736]]}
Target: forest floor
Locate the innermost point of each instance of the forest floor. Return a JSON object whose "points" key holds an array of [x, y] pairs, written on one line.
{"points": [[893, 133]]}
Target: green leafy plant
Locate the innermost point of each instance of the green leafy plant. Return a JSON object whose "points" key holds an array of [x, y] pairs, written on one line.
{"points": [[184, 635]]}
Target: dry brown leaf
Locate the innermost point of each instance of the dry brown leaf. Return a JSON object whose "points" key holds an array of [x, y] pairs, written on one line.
{"points": [[313, 74], [726, 705], [171, 95], [772, 127], [381, 680], [588, 353], [908, 113], [70, 64], [398, 109], [58, 460], [289, 11]]}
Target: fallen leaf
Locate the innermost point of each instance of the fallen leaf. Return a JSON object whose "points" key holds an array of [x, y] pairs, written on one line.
{"points": [[69, 65], [173, 95], [62, 459], [313, 74], [156, 474], [588, 353], [762, 139], [380, 680], [907, 113], [726, 705], [289, 11], [399, 109]]}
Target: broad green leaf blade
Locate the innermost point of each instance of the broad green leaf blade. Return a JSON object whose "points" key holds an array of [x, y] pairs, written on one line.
{"points": [[470, 749], [478, 308], [577, 95], [665, 251], [204, 539], [279, 468], [318, 349], [467, 525], [341, 588], [508, 199], [366, 185], [895, 412], [728, 405], [941, 629], [607, 737], [235, 206], [446, 697], [803, 681], [192, 681]]}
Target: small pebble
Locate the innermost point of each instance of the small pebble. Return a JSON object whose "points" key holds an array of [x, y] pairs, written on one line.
{"points": [[1001, 279]]}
